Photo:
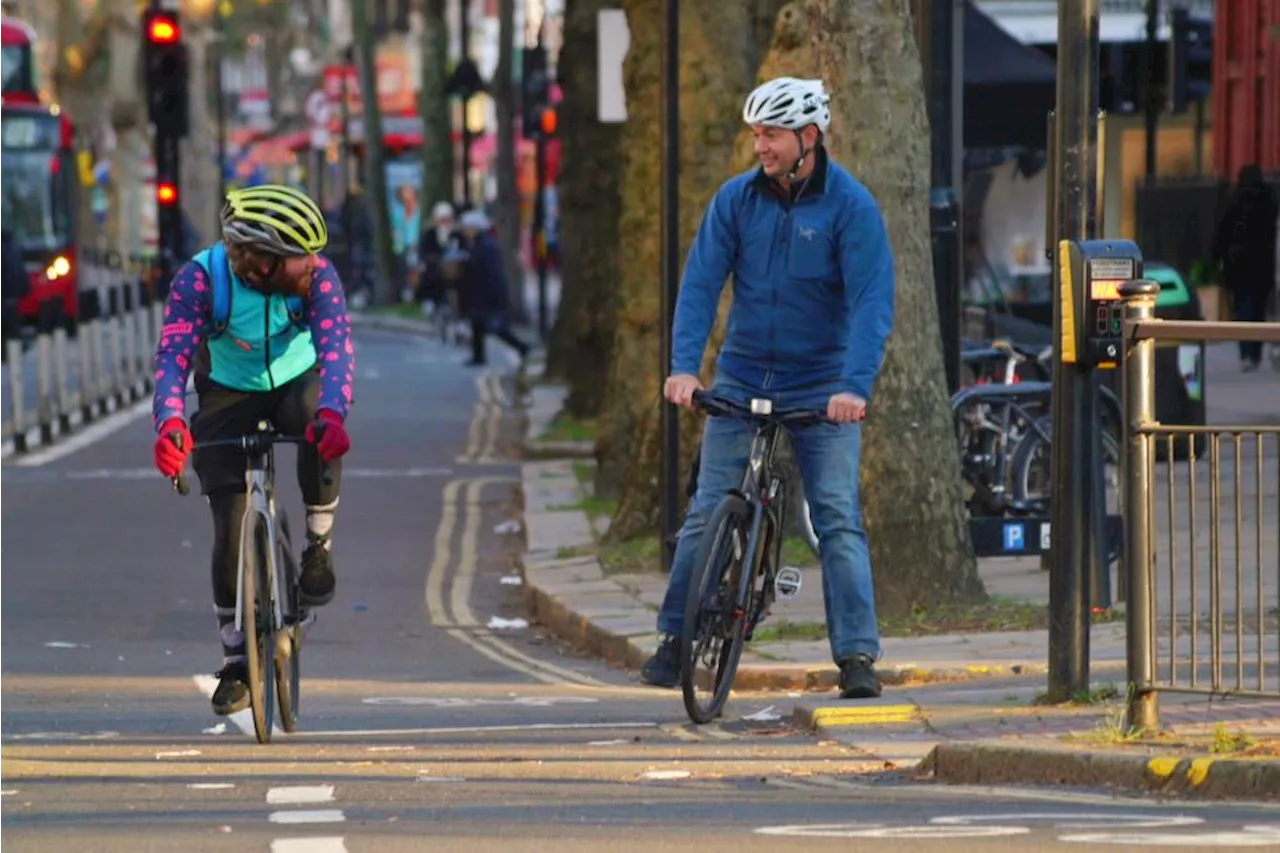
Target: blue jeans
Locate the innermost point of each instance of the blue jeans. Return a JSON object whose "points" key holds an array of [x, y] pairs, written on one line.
{"points": [[828, 456]]}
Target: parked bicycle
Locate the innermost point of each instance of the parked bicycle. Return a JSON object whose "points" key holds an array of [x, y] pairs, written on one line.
{"points": [[268, 608], [738, 573]]}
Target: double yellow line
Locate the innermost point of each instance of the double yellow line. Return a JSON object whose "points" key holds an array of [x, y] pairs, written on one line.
{"points": [[482, 434], [453, 613]]}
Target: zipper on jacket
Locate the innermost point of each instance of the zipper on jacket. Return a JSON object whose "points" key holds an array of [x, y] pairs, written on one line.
{"points": [[266, 341]]}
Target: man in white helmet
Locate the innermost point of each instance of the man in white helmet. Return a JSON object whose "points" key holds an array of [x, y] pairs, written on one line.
{"points": [[812, 307]]}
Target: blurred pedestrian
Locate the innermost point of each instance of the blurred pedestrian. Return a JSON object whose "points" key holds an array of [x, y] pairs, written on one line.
{"points": [[1245, 246], [482, 289]]}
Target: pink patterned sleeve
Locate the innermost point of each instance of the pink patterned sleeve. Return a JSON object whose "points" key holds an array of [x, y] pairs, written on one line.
{"points": [[185, 311], [331, 332]]}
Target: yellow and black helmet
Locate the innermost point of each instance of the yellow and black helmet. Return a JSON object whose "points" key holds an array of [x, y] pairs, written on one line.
{"points": [[274, 218]]}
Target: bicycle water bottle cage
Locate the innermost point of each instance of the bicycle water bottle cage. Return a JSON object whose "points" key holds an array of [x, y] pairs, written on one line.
{"points": [[761, 407], [787, 583]]}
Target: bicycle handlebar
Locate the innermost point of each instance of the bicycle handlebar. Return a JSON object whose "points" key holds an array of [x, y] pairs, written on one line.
{"points": [[253, 443], [714, 405]]}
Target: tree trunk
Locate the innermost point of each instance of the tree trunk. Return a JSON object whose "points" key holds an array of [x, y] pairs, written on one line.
{"points": [[911, 487], [508, 208], [433, 104], [716, 49], [581, 346], [375, 174], [199, 150]]}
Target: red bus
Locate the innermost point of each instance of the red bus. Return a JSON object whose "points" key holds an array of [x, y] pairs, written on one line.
{"points": [[38, 184]]}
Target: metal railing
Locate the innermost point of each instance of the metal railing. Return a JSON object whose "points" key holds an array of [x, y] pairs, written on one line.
{"points": [[73, 373], [1202, 535]]}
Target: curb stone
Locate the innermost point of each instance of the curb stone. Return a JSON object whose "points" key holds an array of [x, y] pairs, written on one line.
{"points": [[1201, 778]]}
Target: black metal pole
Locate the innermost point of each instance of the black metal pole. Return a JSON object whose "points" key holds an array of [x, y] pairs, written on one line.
{"points": [[1151, 107], [669, 478], [540, 228], [945, 32], [1076, 195]]}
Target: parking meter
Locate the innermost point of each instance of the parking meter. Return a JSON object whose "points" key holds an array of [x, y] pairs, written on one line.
{"points": [[1092, 313]]}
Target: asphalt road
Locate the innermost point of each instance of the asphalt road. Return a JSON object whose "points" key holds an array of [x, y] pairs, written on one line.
{"points": [[431, 717]]}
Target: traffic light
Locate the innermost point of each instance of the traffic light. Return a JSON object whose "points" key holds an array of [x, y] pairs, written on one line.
{"points": [[1190, 59], [166, 72], [535, 89]]}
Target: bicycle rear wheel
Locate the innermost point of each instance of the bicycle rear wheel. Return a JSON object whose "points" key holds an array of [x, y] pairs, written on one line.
{"points": [[714, 623], [259, 632], [288, 645]]}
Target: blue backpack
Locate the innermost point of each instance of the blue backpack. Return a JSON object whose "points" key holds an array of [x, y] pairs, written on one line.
{"points": [[219, 270]]}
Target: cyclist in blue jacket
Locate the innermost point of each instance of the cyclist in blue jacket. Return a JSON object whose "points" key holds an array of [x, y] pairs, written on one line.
{"points": [[813, 301]]}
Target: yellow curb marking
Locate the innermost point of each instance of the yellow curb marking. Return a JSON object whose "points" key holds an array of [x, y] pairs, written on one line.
{"points": [[865, 716], [1199, 771], [1163, 767]]}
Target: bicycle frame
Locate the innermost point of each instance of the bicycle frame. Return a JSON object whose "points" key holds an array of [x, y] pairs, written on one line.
{"points": [[761, 488], [259, 478]]}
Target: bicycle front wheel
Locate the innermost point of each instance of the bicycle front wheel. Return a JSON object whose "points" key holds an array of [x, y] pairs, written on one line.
{"points": [[288, 641], [257, 622], [714, 624]]}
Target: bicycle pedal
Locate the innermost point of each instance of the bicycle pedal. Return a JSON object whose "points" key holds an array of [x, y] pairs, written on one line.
{"points": [[787, 583]]}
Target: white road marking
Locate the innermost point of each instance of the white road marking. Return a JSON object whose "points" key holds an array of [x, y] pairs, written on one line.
{"points": [[665, 774], [178, 753], [512, 580], [458, 730], [497, 623], [308, 845], [243, 720], [1168, 839], [8, 792], [60, 644], [391, 749], [308, 816], [90, 435], [606, 742], [469, 701], [299, 794], [215, 729], [441, 779], [211, 786]]}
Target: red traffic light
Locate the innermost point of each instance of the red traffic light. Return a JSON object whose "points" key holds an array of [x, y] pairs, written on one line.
{"points": [[163, 31], [166, 193], [549, 122]]}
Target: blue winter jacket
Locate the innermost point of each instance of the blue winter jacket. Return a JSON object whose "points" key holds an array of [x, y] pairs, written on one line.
{"points": [[812, 283]]}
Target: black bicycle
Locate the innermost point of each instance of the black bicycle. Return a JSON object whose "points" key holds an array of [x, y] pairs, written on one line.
{"points": [[738, 573], [267, 596]]}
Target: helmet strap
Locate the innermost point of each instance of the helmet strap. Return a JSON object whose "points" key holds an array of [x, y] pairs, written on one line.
{"points": [[791, 176]]}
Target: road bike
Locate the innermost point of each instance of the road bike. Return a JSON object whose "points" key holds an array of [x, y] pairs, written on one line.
{"points": [[267, 595], [737, 573]]}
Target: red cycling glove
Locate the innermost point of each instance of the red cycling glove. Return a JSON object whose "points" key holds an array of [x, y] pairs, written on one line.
{"points": [[170, 459], [334, 441]]}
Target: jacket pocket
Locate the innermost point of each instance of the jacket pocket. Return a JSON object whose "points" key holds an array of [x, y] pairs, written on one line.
{"points": [[812, 254]]}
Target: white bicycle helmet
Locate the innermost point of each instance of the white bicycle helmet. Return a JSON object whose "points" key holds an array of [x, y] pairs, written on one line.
{"points": [[789, 102]]}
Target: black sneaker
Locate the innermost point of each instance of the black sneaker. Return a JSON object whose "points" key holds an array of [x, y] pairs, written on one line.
{"points": [[858, 678], [316, 584], [663, 669], [232, 693]]}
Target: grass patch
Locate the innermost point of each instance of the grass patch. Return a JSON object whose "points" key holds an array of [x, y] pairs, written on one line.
{"points": [[585, 472], [994, 615], [569, 552], [591, 505], [642, 554], [1099, 695], [1228, 742], [796, 552], [783, 630], [565, 427]]}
